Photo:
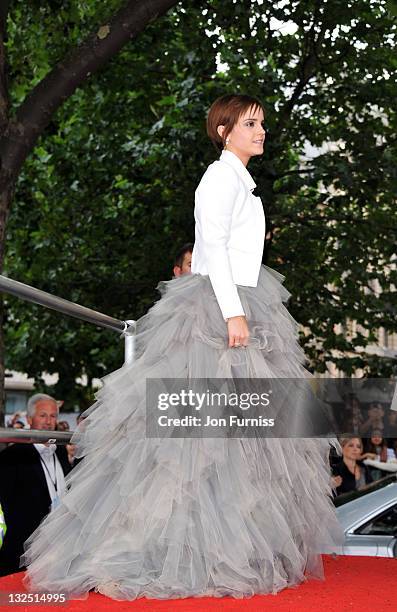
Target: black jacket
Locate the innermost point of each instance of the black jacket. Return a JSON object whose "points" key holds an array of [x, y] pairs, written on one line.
{"points": [[24, 498], [349, 479]]}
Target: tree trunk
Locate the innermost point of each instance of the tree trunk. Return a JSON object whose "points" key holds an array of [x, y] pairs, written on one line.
{"points": [[5, 202]]}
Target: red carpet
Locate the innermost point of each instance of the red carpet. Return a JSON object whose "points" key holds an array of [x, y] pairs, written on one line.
{"points": [[357, 584]]}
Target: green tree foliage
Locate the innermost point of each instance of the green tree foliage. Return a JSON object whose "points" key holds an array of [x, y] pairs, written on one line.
{"points": [[107, 195]]}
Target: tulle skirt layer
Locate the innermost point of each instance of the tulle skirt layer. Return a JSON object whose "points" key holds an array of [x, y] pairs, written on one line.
{"points": [[172, 518]]}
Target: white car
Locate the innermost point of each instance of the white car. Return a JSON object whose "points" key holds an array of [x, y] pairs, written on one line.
{"points": [[369, 520]]}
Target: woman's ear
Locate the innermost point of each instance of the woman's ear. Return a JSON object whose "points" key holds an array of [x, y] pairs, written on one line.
{"points": [[220, 129]]}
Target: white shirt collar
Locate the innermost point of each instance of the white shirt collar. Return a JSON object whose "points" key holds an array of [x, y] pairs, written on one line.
{"points": [[232, 159], [44, 450]]}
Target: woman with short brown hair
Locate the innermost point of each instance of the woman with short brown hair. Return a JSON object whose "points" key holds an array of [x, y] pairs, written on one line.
{"points": [[197, 516]]}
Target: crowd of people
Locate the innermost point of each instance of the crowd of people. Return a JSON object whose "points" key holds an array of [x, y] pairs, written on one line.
{"points": [[369, 448], [350, 472]]}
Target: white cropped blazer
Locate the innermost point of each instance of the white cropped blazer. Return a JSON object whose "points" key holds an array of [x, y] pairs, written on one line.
{"points": [[229, 232]]}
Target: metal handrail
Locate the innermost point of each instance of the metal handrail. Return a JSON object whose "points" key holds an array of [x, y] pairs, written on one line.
{"points": [[8, 434], [37, 296]]}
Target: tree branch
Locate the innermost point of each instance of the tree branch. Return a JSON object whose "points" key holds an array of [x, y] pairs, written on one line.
{"points": [[291, 172], [307, 69], [37, 109]]}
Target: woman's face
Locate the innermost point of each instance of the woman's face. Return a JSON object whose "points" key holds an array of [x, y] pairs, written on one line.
{"points": [[376, 410], [377, 440], [248, 135], [352, 449]]}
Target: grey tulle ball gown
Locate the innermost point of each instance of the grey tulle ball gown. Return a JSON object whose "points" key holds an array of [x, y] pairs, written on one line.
{"points": [[189, 517], [169, 518]]}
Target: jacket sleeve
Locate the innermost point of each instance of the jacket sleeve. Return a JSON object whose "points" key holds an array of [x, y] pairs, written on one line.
{"points": [[215, 199]]}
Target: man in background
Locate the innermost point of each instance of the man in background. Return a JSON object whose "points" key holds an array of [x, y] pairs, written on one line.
{"points": [[183, 260], [31, 481]]}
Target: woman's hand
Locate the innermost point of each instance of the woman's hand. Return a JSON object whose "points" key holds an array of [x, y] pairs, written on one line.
{"points": [[238, 331], [336, 481], [368, 456]]}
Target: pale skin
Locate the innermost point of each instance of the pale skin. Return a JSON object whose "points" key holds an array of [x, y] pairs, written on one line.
{"points": [[377, 440], [245, 140], [186, 265], [45, 415]]}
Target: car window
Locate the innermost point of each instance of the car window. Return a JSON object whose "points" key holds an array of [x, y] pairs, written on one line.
{"points": [[383, 524], [344, 498]]}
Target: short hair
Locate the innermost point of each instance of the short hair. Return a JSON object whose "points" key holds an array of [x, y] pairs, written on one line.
{"points": [[186, 248], [226, 111], [38, 397]]}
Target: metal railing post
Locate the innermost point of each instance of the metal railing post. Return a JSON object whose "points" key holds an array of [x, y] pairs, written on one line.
{"points": [[129, 342]]}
